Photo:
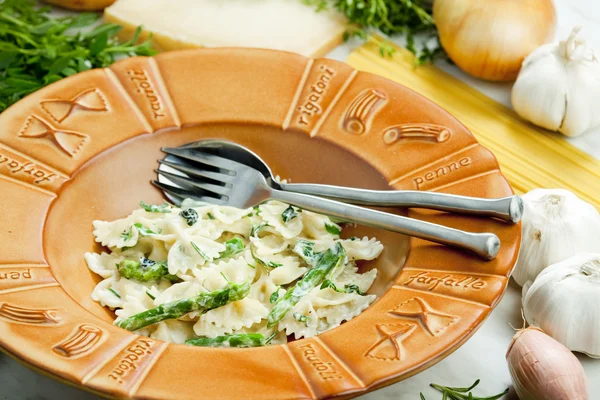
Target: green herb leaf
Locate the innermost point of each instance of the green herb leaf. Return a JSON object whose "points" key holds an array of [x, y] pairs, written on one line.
{"points": [[301, 318], [143, 230], [190, 215], [352, 288], [161, 208], [202, 254], [289, 214], [349, 288], [150, 295], [274, 296], [257, 228], [406, 17], [114, 292], [210, 216], [333, 229], [126, 235], [232, 247], [37, 49]]}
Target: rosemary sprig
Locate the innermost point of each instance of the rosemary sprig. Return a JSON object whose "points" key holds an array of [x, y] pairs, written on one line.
{"points": [[406, 17], [457, 393]]}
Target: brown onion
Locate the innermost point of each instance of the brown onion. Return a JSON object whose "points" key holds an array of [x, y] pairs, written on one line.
{"points": [[490, 38]]}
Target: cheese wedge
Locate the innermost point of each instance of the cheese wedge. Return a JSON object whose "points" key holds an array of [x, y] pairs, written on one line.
{"points": [[275, 24]]}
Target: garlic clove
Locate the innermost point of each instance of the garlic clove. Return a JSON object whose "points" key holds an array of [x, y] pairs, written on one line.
{"points": [[582, 98], [564, 301], [556, 225], [543, 369], [534, 98]]}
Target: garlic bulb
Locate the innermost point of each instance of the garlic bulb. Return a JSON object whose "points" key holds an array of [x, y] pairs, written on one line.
{"points": [[558, 87], [556, 225], [564, 300], [543, 369], [489, 39]]}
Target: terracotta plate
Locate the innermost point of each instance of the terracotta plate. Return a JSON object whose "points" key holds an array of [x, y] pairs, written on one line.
{"points": [[85, 148]]}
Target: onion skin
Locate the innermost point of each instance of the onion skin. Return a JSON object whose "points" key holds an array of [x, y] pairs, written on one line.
{"points": [[543, 369], [82, 5], [490, 39]]}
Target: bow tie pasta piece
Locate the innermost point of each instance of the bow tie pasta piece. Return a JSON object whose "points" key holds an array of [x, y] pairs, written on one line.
{"points": [[178, 291], [173, 331], [215, 276], [362, 249], [317, 226], [116, 234], [269, 245], [228, 215], [231, 317], [272, 213], [103, 264], [284, 269], [350, 276]]}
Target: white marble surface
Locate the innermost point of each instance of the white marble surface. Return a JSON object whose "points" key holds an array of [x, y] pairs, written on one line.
{"points": [[482, 356]]}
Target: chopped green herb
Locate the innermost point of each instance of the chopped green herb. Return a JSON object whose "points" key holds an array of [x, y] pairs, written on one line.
{"points": [[289, 214], [257, 228], [224, 277], [272, 264], [150, 295], [145, 231], [114, 292], [353, 288], [333, 229], [251, 266], [210, 216], [126, 235], [353, 238], [349, 288], [190, 215], [305, 249], [202, 254], [301, 318], [256, 210], [161, 208], [274, 296], [232, 247]]}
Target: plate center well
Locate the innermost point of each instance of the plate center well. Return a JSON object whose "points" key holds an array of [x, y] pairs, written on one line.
{"points": [[112, 184]]}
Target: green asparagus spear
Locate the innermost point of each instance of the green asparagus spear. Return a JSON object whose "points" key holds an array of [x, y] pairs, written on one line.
{"points": [[145, 270], [232, 247], [203, 302], [326, 263], [236, 340]]}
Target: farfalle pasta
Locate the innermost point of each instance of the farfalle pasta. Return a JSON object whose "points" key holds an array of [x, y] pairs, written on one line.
{"points": [[212, 274]]}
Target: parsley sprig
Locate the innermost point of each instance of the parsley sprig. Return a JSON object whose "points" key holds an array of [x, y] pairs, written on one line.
{"points": [[407, 17], [37, 49]]}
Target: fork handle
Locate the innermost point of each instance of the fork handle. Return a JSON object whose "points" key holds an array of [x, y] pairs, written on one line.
{"points": [[507, 208], [485, 245]]}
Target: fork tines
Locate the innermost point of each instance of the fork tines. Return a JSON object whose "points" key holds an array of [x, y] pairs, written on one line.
{"points": [[191, 173]]}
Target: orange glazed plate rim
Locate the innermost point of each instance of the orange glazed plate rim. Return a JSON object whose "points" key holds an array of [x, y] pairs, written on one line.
{"points": [[433, 305]]}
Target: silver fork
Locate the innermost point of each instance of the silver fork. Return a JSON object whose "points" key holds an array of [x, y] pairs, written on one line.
{"points": [[220, 181]]}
